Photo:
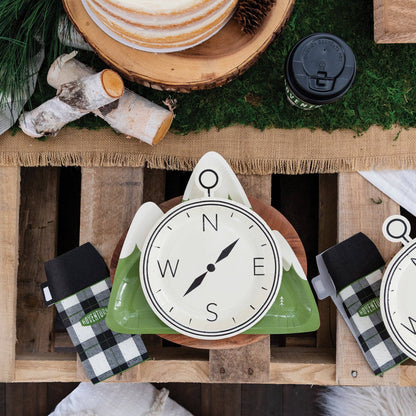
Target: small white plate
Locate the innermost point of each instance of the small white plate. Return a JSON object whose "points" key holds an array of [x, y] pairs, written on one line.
{"points": [[398, 287]]}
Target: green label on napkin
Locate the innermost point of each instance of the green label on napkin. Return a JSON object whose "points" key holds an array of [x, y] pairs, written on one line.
{"points": [[369, 307], [94, 316]]}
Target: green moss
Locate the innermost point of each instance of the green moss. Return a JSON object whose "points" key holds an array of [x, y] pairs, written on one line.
{"points": [[382, 93]]}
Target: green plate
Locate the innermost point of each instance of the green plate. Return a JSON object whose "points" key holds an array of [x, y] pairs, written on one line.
{"points": [[294, 310]]}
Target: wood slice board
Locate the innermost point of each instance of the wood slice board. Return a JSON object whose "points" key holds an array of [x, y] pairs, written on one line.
{"points": [[276, 221], [213, 63], [394, 21]]}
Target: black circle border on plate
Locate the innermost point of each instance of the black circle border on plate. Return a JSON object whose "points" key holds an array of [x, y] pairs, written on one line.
{"points": [[387, 281], [277, 277]]}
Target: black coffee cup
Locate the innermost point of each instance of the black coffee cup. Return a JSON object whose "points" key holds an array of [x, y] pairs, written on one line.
{"points": [[319, 70]]}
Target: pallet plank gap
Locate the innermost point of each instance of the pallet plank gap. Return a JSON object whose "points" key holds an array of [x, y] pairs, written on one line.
{"points": [[38, 226]]}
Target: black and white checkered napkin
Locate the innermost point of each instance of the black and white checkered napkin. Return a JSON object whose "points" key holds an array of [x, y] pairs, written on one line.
{"points": [[361, 301], [351, 273], [79, 285]]}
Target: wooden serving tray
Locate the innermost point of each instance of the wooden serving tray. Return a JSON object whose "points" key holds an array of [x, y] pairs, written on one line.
{"points": [[276, 221], [213, 63], [394, 21]]}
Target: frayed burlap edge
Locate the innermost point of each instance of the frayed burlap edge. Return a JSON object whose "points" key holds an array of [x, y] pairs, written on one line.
{"points": [[248, 150], [249, 167]]}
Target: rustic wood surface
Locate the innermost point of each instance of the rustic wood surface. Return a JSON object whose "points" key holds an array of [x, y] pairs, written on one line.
{"points": [[361, 207], [38, 241], [109, 199], [394, 21], [9, 244], [37, 367], [26, 399], [247, 364], [213, 63], [313, 366], [289, 364]]}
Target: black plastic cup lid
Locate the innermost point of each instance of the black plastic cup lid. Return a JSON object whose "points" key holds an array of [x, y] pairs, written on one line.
{"points": [[320, 68]]}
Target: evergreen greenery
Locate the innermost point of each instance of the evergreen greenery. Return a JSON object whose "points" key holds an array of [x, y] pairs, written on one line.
{"points": [[25, 25], [383, 92]]}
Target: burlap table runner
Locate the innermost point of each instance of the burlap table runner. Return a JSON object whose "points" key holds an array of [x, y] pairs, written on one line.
{"points": [[248, 150]]}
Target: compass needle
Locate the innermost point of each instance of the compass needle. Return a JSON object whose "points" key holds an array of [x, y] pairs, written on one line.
{"points": [[196, 283], [226, 251]]}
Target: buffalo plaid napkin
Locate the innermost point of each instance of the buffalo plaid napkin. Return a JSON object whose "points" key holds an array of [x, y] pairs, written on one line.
{"points": [[355, 267], [361, 301], [79, 285]]}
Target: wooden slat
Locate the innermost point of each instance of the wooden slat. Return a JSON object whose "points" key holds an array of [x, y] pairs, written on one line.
{"points": [[301, 340], [303, 366], [261, 399], [109, 199], [248, 364], [287, 366], [38, 241], [221, 400], [2, 398], [298, 400], [9, 234], [187, 395], [327, 237], [258, 186], [26, 399], [46, 367], [62, 342], [408, 374], [379, 22], [231, 365], [172, 371], [358, 211]]}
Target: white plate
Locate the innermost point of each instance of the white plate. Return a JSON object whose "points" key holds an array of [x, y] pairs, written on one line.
{"points": [[398, 287], [237, 289]]}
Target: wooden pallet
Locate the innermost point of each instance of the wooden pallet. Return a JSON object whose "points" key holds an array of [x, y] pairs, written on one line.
{"points": [[32, 232]]}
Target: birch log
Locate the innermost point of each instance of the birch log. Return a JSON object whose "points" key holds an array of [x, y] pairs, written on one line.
{"points": [[73, 100], [132, 115]]}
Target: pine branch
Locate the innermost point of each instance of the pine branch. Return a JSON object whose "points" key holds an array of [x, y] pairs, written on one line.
{"points": [[25, 25]]}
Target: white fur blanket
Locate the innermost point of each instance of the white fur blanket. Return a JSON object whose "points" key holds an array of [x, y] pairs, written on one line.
{"points": [[368, 401]]}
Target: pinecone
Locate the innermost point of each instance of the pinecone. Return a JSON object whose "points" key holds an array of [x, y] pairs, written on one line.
{"points": [[251, 13]]}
